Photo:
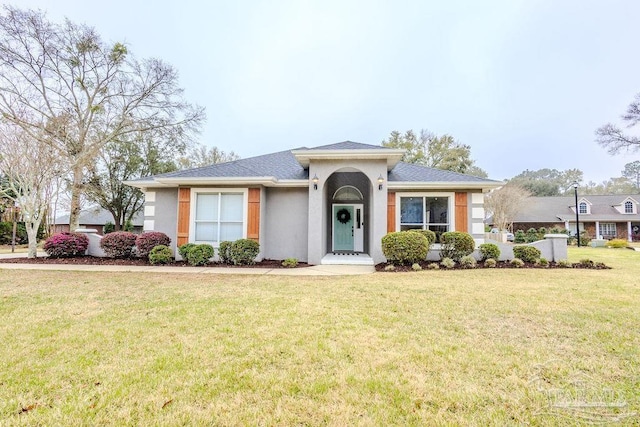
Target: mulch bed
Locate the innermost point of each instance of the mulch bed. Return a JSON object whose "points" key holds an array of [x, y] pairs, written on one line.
{"points": [[89, 260], [480, 265]]}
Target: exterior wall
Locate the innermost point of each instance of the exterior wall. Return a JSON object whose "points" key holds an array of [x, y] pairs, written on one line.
{"points": [[165, 213], [319, 203], [476, 216], [284, 223]]}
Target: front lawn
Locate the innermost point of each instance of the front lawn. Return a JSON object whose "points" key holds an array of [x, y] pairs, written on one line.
{"points": [[483, 347]]}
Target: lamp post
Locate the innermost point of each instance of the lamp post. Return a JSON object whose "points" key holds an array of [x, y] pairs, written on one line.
{"points": [[575, 192]]}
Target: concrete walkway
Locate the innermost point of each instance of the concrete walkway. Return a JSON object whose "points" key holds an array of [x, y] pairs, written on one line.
{"points": [[316, 270]]}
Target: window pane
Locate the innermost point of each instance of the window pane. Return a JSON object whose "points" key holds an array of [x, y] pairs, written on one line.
{"points": [[411, 210], [437, 210], [231, 207], [207, 207], [230, 231], [410, 227], [206, 231]]}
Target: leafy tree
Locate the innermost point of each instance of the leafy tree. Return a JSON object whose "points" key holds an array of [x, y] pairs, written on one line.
{"points": [[614, 139], [428, 149], [632, 172], [29, 169], [67, 88], [504, 203], [201, 155], [619, 185], [547, 182]]}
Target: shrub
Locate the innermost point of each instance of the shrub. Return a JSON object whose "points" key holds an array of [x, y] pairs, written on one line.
{"points": [[390, 267], [402, 247], [433, 266], [519, 237], [617, 243], [66, 245], [447, 263], [456, 245], [108, 227], [468, 262], [244, 251], [224, 252], [532, 235], [489, 250], [586, 262], [564, 263], [526, 253], [430, 235], [289, 262], [118, 244], [161, 254], [542, 262], [200, 254], [183, 250], [416, 266], [541, 232], [490, 263], [128, 226], [517, 263], [149, 240]]}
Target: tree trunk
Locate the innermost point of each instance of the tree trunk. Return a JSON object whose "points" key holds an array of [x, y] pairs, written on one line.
{"points": [[77, 187], [32, 234]]}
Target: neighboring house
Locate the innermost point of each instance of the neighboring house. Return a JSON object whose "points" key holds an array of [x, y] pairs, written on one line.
{"points": [[607, 217], [324, 205], [95, 218]]}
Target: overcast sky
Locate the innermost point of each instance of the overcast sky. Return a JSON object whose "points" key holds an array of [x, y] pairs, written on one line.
{"points": [[524, 83]]}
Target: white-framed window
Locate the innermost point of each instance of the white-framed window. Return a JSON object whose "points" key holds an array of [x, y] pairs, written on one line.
{"points": [[218, 215], [425, 211], [607, 230], [583, 208], [628, 207]]}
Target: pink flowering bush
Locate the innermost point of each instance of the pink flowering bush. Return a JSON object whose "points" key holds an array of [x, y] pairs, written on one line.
{"points": [[149, 240], [66, 245], [118, 244]]}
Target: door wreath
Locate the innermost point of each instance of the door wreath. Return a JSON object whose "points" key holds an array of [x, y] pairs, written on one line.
{"points": [[343, 216]]}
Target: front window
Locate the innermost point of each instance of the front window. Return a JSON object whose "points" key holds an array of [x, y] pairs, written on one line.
{"points": [[628, 206], [583, 207], [218, 216], [425, 213], [608, 230]]}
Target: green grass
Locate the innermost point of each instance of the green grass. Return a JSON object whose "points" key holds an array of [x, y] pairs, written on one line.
{"points": [[480, 347]]}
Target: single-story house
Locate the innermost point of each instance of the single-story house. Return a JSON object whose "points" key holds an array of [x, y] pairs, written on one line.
{"points": [[602, 216], [324, 205], [95, 217]]}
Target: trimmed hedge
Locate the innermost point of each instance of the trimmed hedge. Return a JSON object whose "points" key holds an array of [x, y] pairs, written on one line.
{"points": [[161, 254], [200, 254], [66, 245], [224, 252], [527, 253], [430, 235], [489, 251], [118, 244], [456, 244], [184, 250], [403, 247], [149, 240], [244, 251]]}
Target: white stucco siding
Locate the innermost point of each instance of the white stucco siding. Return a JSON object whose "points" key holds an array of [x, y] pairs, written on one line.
{"points": [[165, 219], [285, 222]]}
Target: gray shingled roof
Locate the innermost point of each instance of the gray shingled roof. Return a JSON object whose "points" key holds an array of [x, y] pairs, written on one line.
{"points": [[97, 215], [554, 209], [284, 166], [409, 172]]}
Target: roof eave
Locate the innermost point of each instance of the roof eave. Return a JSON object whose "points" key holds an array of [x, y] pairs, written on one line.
{"points": [[443, 185], [267, 181], [391, 155]]}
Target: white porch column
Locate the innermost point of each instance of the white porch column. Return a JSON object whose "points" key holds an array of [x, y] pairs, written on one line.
{"points": [[598, 230], [629, 231], [566, 225]]}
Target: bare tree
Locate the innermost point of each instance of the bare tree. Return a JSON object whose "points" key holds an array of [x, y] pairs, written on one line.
{"points": [[202, 155], [30, 169], [67, 88], [505, 203], [614, 139]]}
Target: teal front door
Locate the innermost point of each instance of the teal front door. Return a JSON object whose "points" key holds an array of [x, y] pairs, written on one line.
{"points": [[343, 227]]}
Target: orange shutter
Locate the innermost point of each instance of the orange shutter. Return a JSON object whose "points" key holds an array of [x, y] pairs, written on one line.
{"points": [[184, 209], [462, 217], [253, 217], [391, 212]]}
